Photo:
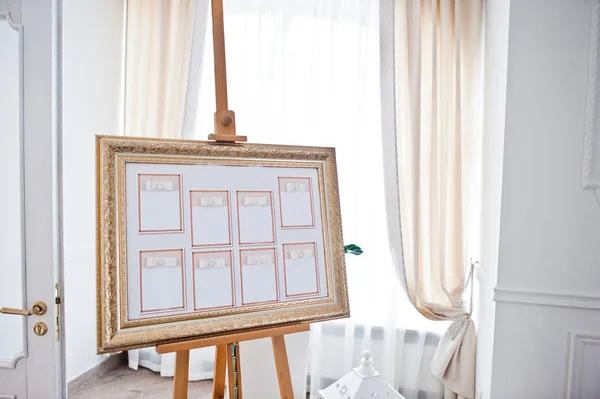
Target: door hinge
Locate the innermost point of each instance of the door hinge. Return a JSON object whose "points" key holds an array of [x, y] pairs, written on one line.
{"points": [[57, 302]]}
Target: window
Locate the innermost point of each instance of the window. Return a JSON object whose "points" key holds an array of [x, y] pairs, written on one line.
{"points": [[306, 72]]}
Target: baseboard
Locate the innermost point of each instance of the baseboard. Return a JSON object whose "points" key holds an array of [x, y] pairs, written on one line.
{"points": [[114, 361]]}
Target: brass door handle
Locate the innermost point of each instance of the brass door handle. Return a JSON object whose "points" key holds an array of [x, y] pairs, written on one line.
{"points": [[38, 309]]}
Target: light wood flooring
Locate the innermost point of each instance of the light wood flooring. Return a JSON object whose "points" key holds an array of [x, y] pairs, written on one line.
{"points": [[125, 383]]}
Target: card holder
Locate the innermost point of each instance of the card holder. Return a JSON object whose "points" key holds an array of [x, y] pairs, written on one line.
{"points": [[256, 223], [159, 203], [213, 280], [210, 218], [258, 275], [162, 280], [296, 202], [301, 269]]}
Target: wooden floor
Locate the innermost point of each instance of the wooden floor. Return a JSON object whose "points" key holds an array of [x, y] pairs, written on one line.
{"points": [[124, 383]]}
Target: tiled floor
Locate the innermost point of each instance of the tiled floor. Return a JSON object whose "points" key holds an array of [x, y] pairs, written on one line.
{"points": [[125, 383]]}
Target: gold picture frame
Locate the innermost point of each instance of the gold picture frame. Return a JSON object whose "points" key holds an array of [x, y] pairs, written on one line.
{"points": [[116, 330]]}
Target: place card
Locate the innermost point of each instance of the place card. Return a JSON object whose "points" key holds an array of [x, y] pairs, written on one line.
{"points": [[296, 202], [211, 218], [162, 280], [258, 271], [256, 223], [159, 203], [300, 269], [213, 280]]}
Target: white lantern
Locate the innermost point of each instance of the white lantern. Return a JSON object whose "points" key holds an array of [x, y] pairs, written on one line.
{"points": [[363, 382]]}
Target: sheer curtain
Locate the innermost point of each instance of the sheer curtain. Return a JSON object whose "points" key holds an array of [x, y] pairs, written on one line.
{"points": [[307, 72]]}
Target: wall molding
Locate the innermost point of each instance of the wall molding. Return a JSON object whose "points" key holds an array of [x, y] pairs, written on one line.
{"points": [[12, 363], [577, 300], [591, 144], [10, 11], [578, 341]]}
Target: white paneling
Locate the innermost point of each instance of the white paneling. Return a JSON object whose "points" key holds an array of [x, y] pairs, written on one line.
{"points": [[549, 257], [531, 349], [584, 363]]}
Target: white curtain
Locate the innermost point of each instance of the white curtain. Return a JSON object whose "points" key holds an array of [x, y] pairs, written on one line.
{"points": [[433, 165], [307, 72], [158, 48]]}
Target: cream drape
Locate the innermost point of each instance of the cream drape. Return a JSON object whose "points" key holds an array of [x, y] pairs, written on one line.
{"points": [[160, 37], [159, 45], [433, 208]]}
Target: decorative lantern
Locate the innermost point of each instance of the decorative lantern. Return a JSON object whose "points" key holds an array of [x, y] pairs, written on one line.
{"points": [[363, 382]]}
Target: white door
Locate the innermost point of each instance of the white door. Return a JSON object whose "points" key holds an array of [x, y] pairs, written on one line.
{"points": [[30, 364]]}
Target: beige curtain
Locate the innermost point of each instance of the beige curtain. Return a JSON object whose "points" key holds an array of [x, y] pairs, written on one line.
{"points": [[158, 52], [159, 45], [432, 198]]}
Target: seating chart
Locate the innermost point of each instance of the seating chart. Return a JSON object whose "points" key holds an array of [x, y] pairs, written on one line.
{"points": [[237, 237]]}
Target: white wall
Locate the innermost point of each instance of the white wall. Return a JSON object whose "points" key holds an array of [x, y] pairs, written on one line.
{"points": [[92, 104], [549, 255], [496, 52]]}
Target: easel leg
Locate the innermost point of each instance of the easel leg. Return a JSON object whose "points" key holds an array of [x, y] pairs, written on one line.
{"points": [[182, 366], [234, 371], [220, 369], [227, 356], [283, 368]]}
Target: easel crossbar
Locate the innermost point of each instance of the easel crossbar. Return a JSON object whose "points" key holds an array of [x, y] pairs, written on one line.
{"points": [[227, 339]]}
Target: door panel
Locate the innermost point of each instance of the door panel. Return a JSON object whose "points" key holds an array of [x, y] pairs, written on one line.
{"points": [[30, 365], [12, 329], [13, 349]]}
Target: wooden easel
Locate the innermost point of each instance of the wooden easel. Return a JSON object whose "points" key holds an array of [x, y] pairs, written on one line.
{"points": [[227, 357], [227, 354], [224, 117]]}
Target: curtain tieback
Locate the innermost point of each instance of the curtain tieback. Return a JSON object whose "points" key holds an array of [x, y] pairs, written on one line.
{"points": [[457, 326]]}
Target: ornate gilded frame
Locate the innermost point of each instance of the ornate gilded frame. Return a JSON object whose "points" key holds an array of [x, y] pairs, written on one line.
{"points": [[114, 331]]}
